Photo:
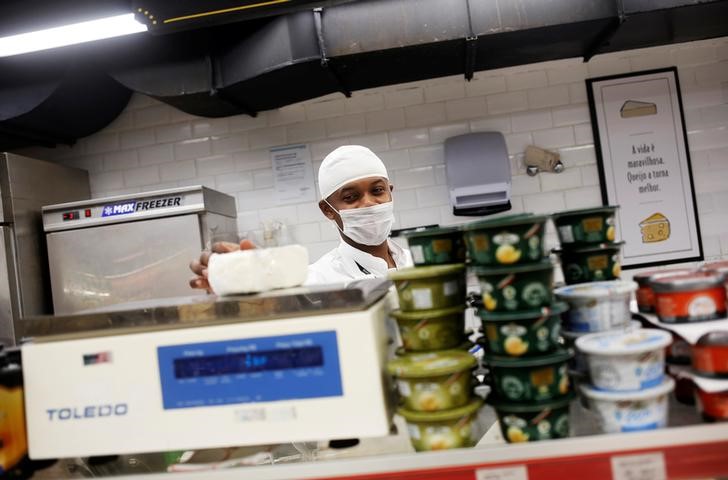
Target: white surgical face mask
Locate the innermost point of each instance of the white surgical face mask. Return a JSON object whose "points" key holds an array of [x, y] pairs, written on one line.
{"points": [[368, 225]]}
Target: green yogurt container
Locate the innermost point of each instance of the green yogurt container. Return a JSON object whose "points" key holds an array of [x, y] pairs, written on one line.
{"points": [[444, 430], [527, 333], [431, 329], [436, 246], [530, 422], [508, 240], [430, 288], [585, 226], [464, 345], [592, 263], [433, 381], [521, 287], [531, 379]]}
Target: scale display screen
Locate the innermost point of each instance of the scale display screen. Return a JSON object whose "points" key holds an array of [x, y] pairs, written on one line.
{"points": [[233, 363], [250, 370]]}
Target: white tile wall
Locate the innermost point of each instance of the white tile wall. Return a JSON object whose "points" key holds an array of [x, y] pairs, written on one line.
{"points": [[152, 145]]}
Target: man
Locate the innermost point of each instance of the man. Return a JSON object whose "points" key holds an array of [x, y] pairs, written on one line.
{"points": [[356, 195]]}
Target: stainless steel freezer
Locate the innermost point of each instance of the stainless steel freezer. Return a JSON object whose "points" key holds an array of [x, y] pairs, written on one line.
{"points": [[132, 247], [26, 184]]}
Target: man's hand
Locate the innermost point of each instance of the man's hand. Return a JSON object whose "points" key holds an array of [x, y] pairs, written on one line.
{"points": [[199, 267]]}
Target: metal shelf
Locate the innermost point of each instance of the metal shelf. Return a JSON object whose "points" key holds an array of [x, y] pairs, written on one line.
{"points": [[699, 451]]}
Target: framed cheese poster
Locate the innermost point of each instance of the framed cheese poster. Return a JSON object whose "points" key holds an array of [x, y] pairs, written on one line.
{"points": [[644, 166]]}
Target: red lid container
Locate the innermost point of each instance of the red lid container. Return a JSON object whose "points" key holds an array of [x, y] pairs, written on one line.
{"points": [[692, 297], [713, 406], [645, 295], [710, 355], [720, 267]]}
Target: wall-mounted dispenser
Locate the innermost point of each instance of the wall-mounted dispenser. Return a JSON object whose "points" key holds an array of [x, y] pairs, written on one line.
{"points": [[478, 173]]}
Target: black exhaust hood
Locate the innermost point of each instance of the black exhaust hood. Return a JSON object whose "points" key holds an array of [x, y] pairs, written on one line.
{"points": [[272, 61]]}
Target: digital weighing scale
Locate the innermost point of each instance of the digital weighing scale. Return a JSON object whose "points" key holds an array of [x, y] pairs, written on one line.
{"points": [[190, 373]]}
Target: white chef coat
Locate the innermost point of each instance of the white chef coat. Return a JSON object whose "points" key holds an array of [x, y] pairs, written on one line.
{"points": [[346, 263]]}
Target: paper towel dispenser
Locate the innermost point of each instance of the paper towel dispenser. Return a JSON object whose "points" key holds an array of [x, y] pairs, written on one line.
{"points": [[478, 173]]}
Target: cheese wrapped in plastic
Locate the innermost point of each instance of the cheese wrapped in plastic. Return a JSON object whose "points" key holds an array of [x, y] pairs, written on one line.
{"points": [[257, 270]]}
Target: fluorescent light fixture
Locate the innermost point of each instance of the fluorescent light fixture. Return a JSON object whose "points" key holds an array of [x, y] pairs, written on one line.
{"points": [[72, 34]]}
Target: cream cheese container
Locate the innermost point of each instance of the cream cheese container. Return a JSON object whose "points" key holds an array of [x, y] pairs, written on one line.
{"points": [[597, 306], [625, 361], [630, 411]]}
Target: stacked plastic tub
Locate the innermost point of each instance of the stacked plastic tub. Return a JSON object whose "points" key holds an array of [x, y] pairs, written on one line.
{"points": [[590, 261], [692, 305], [619, 366], [527, 367], [628, 389], [433, 368], [588, 251]]}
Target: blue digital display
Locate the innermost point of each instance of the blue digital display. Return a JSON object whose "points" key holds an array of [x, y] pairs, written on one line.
{"points": [[250, 370], [248, 362]]}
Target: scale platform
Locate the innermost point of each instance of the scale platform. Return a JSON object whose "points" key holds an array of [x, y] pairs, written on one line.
{"points": [[190, 373]]}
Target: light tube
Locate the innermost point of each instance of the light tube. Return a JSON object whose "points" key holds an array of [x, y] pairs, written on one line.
{"points": [[71, 34]]}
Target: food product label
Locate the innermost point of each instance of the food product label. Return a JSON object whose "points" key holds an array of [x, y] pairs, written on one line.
{"points": [[414, 431], [422, 298], [567, 236], [505, 238], [519, 472], [418, 254], [481, 243], [544, 429], [450, 288], [561, 427], [442, 246], [597, 262], [513, 329], [592, 224], [512, 387], [514, 421], [650, 466], [404, 388], [535, 294], [700, 306], [631, 416], [543, 377]]}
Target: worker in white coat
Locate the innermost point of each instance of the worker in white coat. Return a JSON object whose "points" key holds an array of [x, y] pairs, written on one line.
{"points": [[356, 196]]}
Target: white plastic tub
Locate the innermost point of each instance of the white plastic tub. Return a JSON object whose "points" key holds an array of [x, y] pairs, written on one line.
{"points": [[579, 364], [597, 306], [625, 361], [630, 412]]}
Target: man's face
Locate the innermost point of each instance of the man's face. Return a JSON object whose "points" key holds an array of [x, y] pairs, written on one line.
{"points": [[357, 194]]}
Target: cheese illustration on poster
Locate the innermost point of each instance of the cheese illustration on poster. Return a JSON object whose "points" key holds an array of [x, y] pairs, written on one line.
{"points": [[655, 228]]}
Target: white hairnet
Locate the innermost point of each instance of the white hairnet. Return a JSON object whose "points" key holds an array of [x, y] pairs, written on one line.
{"points": [[346, 164]]}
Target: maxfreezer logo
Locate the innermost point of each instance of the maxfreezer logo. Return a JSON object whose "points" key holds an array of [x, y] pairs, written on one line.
{"points": [[138, 206], [90, 411], [119, 209]]}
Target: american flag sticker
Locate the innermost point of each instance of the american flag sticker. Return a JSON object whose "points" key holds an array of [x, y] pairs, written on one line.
{"points": [[96, 358]]}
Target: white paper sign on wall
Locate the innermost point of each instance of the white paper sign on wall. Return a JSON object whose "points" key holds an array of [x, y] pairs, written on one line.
{"points": [[292, 174]]}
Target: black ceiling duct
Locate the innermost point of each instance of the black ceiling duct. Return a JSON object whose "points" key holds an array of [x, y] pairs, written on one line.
{"points": [[163, 16], [52, 101], [270, 62]]}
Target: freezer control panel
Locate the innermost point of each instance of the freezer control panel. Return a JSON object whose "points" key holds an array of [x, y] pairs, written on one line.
{"points": [[100, 211], [263, 369]]}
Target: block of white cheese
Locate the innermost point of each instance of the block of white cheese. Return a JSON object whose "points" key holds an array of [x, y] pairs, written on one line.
{"points": [[257, 270]]}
